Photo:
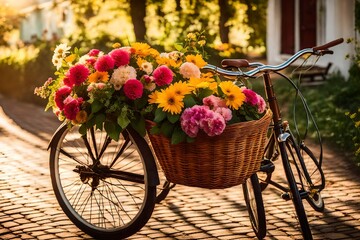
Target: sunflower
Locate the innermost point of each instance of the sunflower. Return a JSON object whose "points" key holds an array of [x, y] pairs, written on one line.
{"points": [[141, 49], [153, 97], [170, 101], [233, 95], [144, 49], [180, 88], [196, 59], [97, 77]]}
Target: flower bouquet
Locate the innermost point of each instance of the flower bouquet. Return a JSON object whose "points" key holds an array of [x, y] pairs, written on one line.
{"points": [[165, 94]]}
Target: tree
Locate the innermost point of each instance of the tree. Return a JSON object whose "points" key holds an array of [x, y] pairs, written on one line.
{"points": [[138, 14], [9, 21], [225, 15]]}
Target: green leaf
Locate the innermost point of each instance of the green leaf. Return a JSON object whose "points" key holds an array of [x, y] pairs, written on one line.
{"points": [[189, 101], [123, 119], [167, 128], [204, 92], [178, 136], [178, 47], [91, 121], [190, 139], [159, 115], [155, 130], [113, 130], [140, 103], [82, 129], [96, 106], [173, 118], [99, 120], [139, 124]]}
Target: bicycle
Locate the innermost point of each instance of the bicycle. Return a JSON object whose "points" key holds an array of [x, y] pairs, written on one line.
{"points": [[305, 178], [109, 189]]}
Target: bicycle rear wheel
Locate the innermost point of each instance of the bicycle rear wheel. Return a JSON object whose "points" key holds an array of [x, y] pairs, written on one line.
{"points": [[106, 188], [255, 205]]}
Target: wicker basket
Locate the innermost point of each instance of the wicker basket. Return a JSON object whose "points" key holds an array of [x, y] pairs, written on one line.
{"points": [[214, 162]]}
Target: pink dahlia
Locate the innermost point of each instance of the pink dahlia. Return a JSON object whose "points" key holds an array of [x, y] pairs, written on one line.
{"points": [[213, 125], [67, 82], [261, 104], [60, 95], [72, 107], [163, 75], [104, 63], [133, 89], [190, 127], [225, 113], [251, 96], [77, 74], [121, 57], [91, 61], [214, 102], [94, 52]]}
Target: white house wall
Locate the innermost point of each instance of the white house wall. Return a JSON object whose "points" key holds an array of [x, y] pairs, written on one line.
{"points": [[336, 19], [44, 21]]}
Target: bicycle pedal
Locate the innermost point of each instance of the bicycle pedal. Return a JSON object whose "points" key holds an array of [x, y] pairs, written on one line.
{"points": [[286, 196]]}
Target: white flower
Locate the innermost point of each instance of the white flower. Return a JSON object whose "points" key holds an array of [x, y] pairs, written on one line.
{"points": [[164, 55], [128, 49], [121, 75], [59, 54], [175, 55], [62, 50], [83, 59], [57, 62], [147, 67]]}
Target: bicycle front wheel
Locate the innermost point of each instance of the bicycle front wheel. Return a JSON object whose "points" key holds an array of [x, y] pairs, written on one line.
{"points": [[255, 205], [105, 187], [287, 151]]}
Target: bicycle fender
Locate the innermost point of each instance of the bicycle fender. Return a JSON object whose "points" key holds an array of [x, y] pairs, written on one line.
{"points": [[59, 131], [150, 160]]}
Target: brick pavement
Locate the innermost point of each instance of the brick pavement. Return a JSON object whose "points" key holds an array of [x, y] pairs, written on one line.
{"points": [[28, 209]]}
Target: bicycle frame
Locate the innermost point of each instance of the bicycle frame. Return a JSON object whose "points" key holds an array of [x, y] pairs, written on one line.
{"points": [[281, 141]]}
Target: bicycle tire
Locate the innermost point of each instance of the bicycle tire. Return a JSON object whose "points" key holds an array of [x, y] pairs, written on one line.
{"points": [[295, 194], [255, 205], [112, 200], [308, 175]]}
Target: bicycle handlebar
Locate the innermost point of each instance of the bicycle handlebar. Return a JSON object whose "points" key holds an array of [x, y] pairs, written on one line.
{"points": [[328, 45], [259, 67]]}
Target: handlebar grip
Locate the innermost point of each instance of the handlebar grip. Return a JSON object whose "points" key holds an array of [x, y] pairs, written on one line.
{"points": [[329, 44]]}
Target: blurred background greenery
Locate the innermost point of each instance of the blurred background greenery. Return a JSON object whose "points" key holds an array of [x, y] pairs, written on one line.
{"points": [[233, 29]]}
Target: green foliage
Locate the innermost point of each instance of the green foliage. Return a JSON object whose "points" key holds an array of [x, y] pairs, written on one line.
{"points": [[9, 21], [21, 70], [328, 104]]}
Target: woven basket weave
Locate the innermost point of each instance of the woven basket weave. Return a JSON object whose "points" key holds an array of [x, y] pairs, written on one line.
{"points": [[214, 162]]}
